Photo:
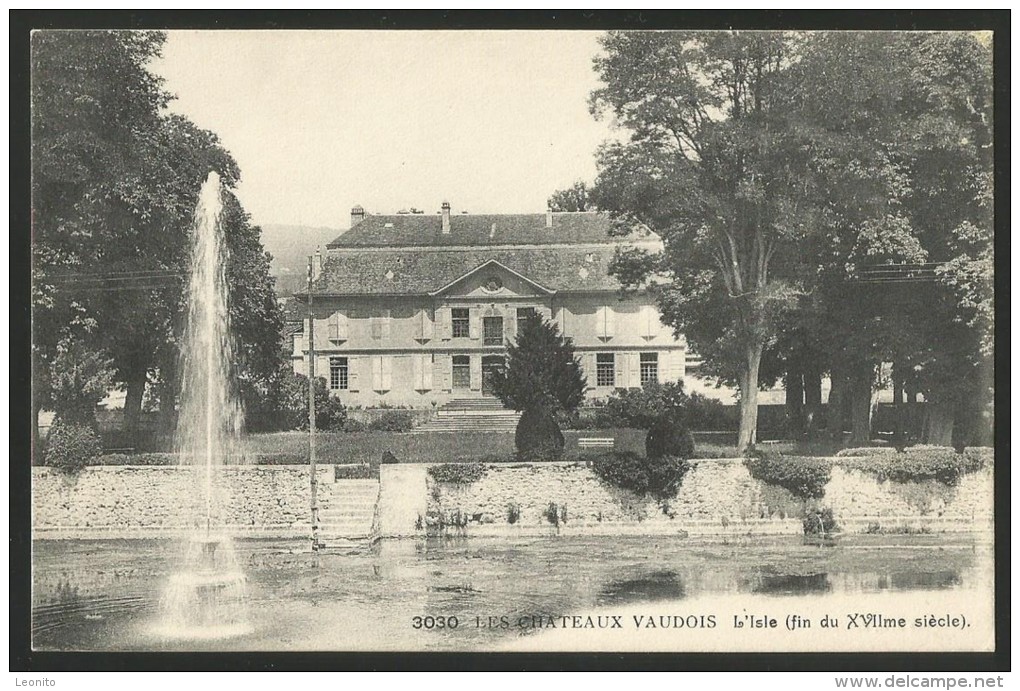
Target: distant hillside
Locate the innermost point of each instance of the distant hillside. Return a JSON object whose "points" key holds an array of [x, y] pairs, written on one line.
{"points": [[290, 247]]}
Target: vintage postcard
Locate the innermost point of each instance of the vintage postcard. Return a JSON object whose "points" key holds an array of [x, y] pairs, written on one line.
{"points": [[512, 341]]}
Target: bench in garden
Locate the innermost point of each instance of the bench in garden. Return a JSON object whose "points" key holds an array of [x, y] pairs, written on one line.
{"points": [[596, 442]]}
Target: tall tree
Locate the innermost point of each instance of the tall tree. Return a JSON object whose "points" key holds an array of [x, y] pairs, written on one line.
{"points": [[115, 182], [713, 164], [577, 197]]}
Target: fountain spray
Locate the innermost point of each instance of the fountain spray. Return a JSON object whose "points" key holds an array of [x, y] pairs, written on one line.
{"points": [[207, 597]]}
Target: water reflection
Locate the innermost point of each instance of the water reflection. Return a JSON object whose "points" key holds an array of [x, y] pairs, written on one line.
{"points": [[103, 597], [793, 584], [659, 585]]}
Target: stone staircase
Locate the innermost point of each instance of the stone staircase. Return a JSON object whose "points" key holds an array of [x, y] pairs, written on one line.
{"points": [[472, 415], [350, 512]]}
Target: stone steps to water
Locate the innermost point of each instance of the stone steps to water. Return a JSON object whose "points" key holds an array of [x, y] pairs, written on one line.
{"points": [[350, 511]]}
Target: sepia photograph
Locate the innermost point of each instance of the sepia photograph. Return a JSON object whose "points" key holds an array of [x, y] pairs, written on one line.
{"points": [[512, 341]]}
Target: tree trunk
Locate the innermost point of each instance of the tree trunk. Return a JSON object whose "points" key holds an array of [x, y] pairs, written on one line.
{"points": [[167, 420], [837, 404], [748, 431], [938, 424], [812, 397], [860, 406], [133, 405], [898, 407], [794, 400]]}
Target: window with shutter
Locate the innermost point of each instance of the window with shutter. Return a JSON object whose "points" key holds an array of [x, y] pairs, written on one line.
{"points": [[339, 374], [605, 369], [387, 373], [649, 368], [474, 324], [460, 322], [461, 372]]}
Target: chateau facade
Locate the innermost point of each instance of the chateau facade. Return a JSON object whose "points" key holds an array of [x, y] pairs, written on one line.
{"points": [[416, 310]]}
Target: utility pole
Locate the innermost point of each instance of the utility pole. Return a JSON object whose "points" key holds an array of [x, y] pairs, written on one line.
{"points": [[311, 410]]}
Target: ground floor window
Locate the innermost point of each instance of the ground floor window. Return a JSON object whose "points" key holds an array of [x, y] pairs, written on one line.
{"points": [[461, 372], [649, 368], [605, 369], [338, 373]]}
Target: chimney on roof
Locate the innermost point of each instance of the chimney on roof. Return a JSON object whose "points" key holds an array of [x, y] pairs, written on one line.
{"points": [[548, 218], [446, 218], [357, 215], [317, 264]]}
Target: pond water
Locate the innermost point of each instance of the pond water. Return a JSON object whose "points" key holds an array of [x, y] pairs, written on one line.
{"points": [[480, 593]]}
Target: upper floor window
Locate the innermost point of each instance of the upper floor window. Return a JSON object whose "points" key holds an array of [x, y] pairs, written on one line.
{"points": [[523, 314], [605, 369], [338, 373], [649, 368], [461, 318], [492, 330]]}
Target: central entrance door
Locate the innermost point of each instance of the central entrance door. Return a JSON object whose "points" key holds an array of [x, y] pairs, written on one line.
{"points": [[490, 365]]}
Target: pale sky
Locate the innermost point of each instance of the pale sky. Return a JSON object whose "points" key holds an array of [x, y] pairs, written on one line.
{"points": [[492, 121]]}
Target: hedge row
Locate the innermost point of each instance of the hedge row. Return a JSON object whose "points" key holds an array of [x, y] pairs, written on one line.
{"points": [[806, 477], [918, 464]]}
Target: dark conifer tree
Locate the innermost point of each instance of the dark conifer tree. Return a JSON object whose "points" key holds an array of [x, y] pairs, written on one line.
{"points": [[541, 370]]}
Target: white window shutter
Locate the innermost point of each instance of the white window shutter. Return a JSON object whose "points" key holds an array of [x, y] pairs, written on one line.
{"points": [[475, 324], [426, 372], [564, 321], [610, 322], [353, 378], [677, 364], [476, 372], [416, 372], [444, 323], [387, 372], [441, 374], [386, 325], [425, 325], [377, 378], [634, 370], [510, 325], [651, 321], [342, 326], [590, 368]]}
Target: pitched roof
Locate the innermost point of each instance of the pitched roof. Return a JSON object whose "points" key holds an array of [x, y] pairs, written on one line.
{"points": [[413, 272], [482, 230]]}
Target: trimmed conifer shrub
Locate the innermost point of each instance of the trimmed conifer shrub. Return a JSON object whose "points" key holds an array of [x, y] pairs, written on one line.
{"points": [[538, 436], [668, 436]]}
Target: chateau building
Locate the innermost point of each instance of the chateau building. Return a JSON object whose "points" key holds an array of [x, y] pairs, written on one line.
{"points": [[416, 310]]}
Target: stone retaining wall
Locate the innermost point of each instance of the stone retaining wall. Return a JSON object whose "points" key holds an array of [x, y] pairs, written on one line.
{"points": [[717, 497], [162, 501]]}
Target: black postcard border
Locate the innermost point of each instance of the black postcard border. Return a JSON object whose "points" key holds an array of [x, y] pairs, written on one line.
{"points": [[22, 22]]}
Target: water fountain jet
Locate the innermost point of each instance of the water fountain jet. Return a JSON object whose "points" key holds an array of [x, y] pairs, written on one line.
{"points": [[206, 598]]}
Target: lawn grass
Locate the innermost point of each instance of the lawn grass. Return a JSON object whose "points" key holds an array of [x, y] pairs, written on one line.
{"points": [[462, 447], [422, 447]]}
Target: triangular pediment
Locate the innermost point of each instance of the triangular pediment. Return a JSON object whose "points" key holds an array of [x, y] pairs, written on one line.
{"points": [[493, 279]]}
